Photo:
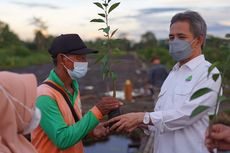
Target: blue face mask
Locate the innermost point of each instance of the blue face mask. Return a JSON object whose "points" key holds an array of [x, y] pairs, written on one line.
{"points": [[79, 71], [180, 49]]}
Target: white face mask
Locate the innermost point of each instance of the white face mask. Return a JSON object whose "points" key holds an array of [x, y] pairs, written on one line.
{"points": [[28, 127], [34, 122], [79, 71]]}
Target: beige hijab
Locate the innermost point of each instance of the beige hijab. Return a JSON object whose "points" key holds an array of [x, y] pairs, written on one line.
{"points": [[13, 115]]}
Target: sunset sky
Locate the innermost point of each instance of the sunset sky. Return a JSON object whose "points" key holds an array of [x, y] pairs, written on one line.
{"points": [[132, 17]]}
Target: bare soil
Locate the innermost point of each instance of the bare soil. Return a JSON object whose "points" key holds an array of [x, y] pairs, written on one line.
{"points": [[127, 67]]}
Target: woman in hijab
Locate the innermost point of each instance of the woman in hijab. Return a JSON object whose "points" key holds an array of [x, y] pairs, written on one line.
{"points": [[17, 112]]}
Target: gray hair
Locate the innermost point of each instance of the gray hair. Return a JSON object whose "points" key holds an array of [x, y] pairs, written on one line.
{"points": [[197, 24]]}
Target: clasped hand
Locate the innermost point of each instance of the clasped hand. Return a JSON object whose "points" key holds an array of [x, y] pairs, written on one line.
{"points": [[125, 123]]}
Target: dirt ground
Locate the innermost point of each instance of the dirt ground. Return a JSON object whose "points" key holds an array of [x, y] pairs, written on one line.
{"points": [[93, 87]]}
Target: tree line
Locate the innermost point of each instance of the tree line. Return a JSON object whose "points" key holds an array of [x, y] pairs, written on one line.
{"points": [[13, 50]]}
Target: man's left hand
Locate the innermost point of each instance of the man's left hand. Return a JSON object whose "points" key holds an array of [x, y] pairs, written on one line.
{"points": [[100, 131]]}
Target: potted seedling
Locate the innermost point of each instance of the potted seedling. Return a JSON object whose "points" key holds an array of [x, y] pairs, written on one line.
{"points": [[106, 8]]}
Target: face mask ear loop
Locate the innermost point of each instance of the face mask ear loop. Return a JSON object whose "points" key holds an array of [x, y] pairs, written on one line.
{"points": [[67, 57], [12, 99], [192, 41], [64, 66]]}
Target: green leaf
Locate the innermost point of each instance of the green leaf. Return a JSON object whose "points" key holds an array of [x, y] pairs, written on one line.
{"points": [[109, 1], [198, 110], [211, 117], [101, 14], [113, 33], [215, 76], [113, 6], [99, 58], [222, 99], [99, 5], [105, 72], [189, 78], [104, 75], [227, 110], [104, 43], [105, 59], [212, 67], [97, 20], [106, 30], [105, 4], [114, 76], [200, 92]]}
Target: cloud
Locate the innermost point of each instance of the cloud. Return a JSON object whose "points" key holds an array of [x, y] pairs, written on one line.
{"points": [[157, 19], [218, 27], [38, 5], [148, 11]]}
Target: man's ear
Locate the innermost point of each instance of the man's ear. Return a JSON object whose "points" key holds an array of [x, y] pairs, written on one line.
{"points": [[60, 59], [200, 41]]}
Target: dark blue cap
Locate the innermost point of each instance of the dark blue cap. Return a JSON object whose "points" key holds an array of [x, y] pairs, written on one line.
{"points": [[69, 44]]}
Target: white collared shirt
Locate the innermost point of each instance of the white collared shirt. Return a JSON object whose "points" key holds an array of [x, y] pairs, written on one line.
{"points": [[175, 130]]}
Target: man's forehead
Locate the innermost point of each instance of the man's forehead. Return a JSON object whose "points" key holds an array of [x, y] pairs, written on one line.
{"points": [[180, 27]]}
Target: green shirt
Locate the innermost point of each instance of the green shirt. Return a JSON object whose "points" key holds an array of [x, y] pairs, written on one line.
{"points": [[52, 121]]}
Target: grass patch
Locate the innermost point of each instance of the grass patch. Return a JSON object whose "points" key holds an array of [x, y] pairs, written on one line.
{"points": [[8, 60]]}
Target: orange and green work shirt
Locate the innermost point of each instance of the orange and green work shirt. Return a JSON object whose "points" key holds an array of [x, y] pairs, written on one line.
{"points": [[53, 128]]}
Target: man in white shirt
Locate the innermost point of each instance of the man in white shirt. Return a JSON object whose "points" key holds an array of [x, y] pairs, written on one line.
{"points": [[175, 130]]}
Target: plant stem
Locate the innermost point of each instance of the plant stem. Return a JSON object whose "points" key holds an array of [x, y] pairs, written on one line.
{"points": [[212, 121], [221, 85], [109, 50]]}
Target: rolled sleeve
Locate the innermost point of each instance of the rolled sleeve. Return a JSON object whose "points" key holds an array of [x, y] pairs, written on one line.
{"points": [[97, 113]]}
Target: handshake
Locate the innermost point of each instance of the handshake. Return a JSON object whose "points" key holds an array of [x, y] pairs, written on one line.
{"points": [[122, 123]]}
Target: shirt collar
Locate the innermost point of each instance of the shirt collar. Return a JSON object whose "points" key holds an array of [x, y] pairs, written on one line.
{"points": [[192, 64], [176, 66], [54, 77]]}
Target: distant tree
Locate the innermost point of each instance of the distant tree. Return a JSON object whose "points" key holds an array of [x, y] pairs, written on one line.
{"points": [[7, 37], [40, 41], [149, 39], [227, 35], [41, 34], [217, 49], [40, 25]]}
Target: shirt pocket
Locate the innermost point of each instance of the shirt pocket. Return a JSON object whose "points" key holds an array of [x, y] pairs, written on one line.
{"points": [[182, 94]]}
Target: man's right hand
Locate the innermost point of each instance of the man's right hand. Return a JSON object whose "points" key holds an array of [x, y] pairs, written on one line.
{"points": [[218, 136], [107, 104]]}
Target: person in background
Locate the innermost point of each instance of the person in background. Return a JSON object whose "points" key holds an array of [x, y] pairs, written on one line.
{"points": [[157, 75], [18, 114], [175, 130], [218, 136], [62, 125]]}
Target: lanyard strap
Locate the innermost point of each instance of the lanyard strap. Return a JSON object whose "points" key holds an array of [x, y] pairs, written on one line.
{"points": [[65, 97]]}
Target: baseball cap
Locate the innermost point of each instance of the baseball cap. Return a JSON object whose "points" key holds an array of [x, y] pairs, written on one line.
{"points": [[69, 44]]}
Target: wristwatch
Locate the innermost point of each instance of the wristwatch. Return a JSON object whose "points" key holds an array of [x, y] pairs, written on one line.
{"points": [[146, 119]]}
